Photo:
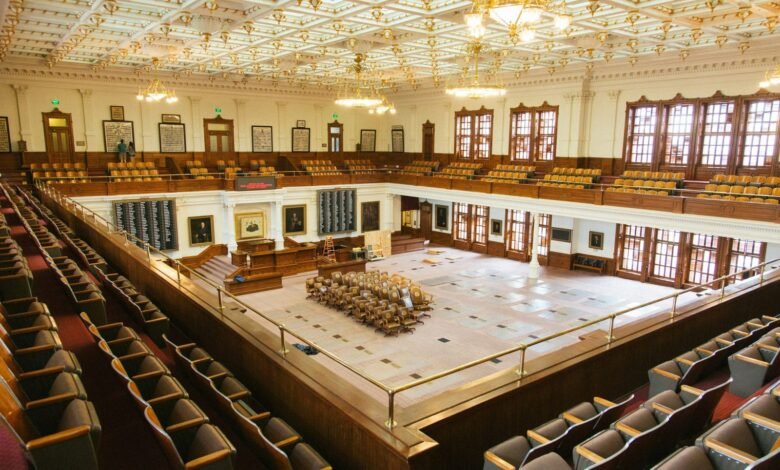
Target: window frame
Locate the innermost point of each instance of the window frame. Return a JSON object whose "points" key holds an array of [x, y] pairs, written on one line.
{"points": [[534, 137], [476, 140]]}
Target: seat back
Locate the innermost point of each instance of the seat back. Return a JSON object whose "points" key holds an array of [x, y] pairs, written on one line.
{"points": [[702, 416], [611, 413], [13, 414], [169, 448], [273, 457]]}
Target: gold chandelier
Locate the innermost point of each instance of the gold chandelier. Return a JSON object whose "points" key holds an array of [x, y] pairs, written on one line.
{"points": [[383, 107], [771, 78], [476, 90], [515, 15], [155, 92], [353, 97]]}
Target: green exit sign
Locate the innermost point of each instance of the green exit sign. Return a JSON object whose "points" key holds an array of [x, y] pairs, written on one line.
{"points": [[218, 110], [55, 102], [334, 116]]}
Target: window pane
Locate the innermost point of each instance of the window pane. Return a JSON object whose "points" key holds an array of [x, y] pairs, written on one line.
{"points": [[679, 124], [717, 133], [463, 136], [632, 249], [745, 254], [760, 133], [521, 136], [546, 122], [517, 227], [704, 254], [667, 252], [460, 221], [545, 221], [480, 223], [641, 137], [485, 128]]}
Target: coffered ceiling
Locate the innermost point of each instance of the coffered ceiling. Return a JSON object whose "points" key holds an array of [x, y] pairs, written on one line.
{"points": [[408, 44]]}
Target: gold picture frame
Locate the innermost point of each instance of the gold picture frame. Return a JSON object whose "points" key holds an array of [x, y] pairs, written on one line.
{"points": [[294, 220], [117, 113], [201, 230], [596, 240], [250, 225]]}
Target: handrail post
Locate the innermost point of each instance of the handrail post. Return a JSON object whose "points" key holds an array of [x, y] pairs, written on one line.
{"points": [[674, 306], [281, 337], [178, 273], [521, 371], [723, 287], [148, 252], [127, 237], [219, 298], [761, 275], [611, 336], [390, 409]]}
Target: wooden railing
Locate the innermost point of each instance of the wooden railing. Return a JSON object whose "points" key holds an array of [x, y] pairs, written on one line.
{"points": [[196, 261]]}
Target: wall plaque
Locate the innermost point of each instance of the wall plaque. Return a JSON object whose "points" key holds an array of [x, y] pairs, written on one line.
{"points": [[368, 140], [397, 140], [5, 135], [151, 221], [117, 113], [255, 183], [262, 139], [114, 131], [336, 211], [301, 138], [172, 138]]}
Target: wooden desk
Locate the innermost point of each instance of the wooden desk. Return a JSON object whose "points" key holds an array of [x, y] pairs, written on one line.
{"points": [[254, 282], [238, 258], [254, 246], [405, 244], [356, 266]]}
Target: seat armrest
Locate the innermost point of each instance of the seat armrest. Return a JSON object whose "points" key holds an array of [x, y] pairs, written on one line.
{"points": [[666, 374], [682, 360], [498, 461], [287, 441], [35, 349], [740, 333], [121, 341], [147, 375], [260, 416], [536, 436], [588, 454], [28, 330], [239, 395], [164, 398], [691, 390], [625, 428], [750, 360], [217, 376], [703, 351], [185, 425], [34, 374], [57, 438], [723, 342], [570, 417], [662, 408], [729, 451], [109, 326], [207, 460], [198, 361], [762, 420], [62, 397], [128, 357]]}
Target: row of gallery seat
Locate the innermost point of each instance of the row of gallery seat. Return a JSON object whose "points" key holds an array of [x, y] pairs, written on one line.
{"points": [[390, 304], [70, 439], [600, 434]]}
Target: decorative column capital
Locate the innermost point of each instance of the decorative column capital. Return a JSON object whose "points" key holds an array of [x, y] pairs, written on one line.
{"points": [[613, 94], [20, 88], [85, 92]]}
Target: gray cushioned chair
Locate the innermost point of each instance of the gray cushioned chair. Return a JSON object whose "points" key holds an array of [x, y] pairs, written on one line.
{"points": [[738, 443]]}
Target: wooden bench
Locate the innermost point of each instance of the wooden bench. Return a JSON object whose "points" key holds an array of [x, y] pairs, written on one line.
{"points": [[591, 263]]}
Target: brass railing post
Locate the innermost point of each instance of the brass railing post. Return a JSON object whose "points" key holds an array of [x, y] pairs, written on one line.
{"points": [[219, 298], [674, 306], [148, 252], [723, 287], [521, 371], [281, 336], [761, 275], [611, 336], [390, 409], [178, 273]]}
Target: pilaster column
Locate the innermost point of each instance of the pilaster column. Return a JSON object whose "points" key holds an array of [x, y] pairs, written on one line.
{"points": [[499, 124], [533, 266], [449, 132], [23, 111], [616, 146], [387, 212], [229, 227], [317, 127], [277, 225], [87, 111], [579, 121], [281, 119], [412, 135], [243, 138], [198, 145]]}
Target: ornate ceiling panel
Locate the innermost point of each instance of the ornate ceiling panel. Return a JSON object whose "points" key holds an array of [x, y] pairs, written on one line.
{"points": [[407, 44]]}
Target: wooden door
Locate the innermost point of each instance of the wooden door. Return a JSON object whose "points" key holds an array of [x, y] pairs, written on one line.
{"points": [[426, 220], [429, 131], [335, 137], [58, 134], [218, 133]]}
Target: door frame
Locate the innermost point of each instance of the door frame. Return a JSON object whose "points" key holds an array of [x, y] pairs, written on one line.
{"points": [[56, 113], [207, 144], [336, 125]]}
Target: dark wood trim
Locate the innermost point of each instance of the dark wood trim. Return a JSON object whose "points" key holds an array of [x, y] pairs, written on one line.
{"points": [[482, 111]]}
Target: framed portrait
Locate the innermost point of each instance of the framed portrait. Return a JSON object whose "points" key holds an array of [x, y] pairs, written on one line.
{"points": [[116, 131], [201, 229], [300, 123], [294, 220], [369, 216], [117, 113], [250, 225], [442, 217], [262, 139], [171, 118], [496, 226], [596, 240], [301, 139], [368, 140]]}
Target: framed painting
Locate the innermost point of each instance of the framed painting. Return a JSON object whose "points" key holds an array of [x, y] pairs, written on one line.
{"points": [[262, 139], [250, 225], [368, 140], [201, 230], [369, 216], [596, 240], [294, 220], [496, 226], [397, 140], [442, 217], [301, 139], [300, 123], [117, 113]]}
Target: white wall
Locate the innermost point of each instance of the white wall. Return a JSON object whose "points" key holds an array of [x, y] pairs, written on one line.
{"points": [[582, 229]]}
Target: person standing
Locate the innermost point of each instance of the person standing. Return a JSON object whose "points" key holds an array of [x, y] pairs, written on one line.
{"points": [[121, 149], [131, 151]]}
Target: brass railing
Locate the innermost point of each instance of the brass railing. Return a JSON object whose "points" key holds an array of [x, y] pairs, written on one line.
{"points": [[101, 223]]}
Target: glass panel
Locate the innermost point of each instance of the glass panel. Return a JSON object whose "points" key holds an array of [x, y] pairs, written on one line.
{"points": [[745, 254], [717, 133], [213, 126], [521, 136], [517, 222], [463, 136], [704, 254], [545, 220], [480, 223], [335, 130], [55, 142], [460, 221], [64, 142], [632, 249], [760, 133], [641, 134], [679, 124], [224, 145], [667, 252], [546, 125], [58, 122], [213, 143], [485, 122]]}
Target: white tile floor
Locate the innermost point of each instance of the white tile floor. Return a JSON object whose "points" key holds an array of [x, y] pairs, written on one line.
{"points": [[483, 305]]}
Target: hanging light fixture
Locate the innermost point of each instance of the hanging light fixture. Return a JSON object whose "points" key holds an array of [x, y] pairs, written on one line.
{"points": [[512, 13], [382, 108], [771, 78], [352, 97], [476, 90], [155, 92]]}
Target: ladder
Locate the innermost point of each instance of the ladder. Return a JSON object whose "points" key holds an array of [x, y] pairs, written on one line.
{"points": [[328, 251]]}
